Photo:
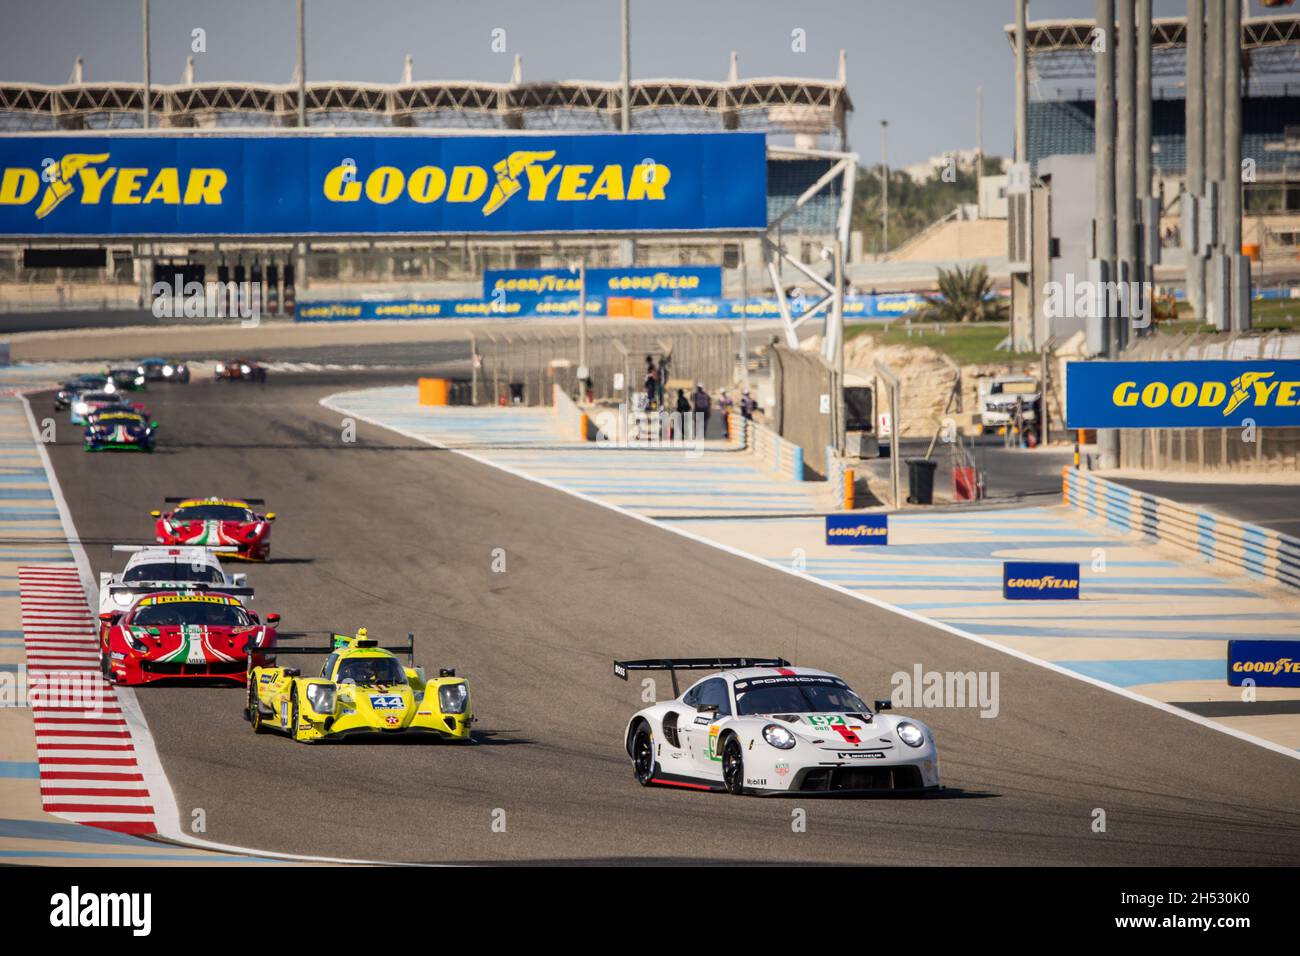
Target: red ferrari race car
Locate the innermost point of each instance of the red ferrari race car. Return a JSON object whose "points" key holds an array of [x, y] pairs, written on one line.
{"points": [[211, 522], [183, 635]]}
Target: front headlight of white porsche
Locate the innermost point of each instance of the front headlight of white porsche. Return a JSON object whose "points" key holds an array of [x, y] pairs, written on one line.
{"points": [[245, 369], [167, 370], [452, 698], [81, 408], [910, 734], [778, 737], [123, 597]]}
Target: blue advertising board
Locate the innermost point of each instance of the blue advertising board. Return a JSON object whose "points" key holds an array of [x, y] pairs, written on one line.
{"points": [[231, 185], [1040, 580], [857, 529], [1211, 394], [1267, 663], [641, 282]]}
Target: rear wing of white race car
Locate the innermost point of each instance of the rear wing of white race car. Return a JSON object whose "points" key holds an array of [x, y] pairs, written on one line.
{"points": [[135, 589], [214, 548], [675, 664]]}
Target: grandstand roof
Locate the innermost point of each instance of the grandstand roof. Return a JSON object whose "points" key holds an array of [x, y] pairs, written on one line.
{"points": [[791, 105], [1060, 49]]}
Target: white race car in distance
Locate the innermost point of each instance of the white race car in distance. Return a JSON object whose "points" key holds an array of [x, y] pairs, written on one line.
{"points": [[763, 727], [157, 568]]}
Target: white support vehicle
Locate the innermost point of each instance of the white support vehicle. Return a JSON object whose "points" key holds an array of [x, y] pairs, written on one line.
{"points": [[763, 727], [999, 396], [156, 568]]}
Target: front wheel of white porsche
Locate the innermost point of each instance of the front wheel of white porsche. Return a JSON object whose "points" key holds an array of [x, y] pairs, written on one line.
{"points": [[733, 765], [643, 755]]}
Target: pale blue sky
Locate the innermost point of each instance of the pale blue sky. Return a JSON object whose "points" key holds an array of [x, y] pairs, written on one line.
{"points": [[916, 63]]}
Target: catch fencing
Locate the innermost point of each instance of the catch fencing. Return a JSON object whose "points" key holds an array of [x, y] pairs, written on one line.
{"points": [[523, 366], [799, 380]]}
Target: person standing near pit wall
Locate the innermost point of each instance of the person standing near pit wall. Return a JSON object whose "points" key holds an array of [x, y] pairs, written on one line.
{"points": [[725, 405], [703, 406]]}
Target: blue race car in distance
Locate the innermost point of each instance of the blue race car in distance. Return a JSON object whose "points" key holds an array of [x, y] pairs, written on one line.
{"points": [[119, 430]]}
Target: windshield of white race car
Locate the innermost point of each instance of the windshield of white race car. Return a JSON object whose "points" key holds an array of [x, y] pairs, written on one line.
{"points": [[806, 694], [174, 571]]}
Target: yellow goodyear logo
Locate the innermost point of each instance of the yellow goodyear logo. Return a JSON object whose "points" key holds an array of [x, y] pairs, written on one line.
{"points": [[1047, 582], [858, 531], [1283, 665], [525, 171], [92, 178], [1260, 389]]}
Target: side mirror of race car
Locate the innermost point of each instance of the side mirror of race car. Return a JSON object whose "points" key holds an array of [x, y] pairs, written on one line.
{"points": [[270, 516], [110, 616], [884, 705], [273, 618], [155, 514]]}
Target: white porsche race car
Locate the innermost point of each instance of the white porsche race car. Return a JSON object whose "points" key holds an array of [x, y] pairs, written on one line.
{"points": [[763, 727], [152, 568]]}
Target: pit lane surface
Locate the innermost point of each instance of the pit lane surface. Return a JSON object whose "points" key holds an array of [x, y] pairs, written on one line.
{"points": [[398, 537]]}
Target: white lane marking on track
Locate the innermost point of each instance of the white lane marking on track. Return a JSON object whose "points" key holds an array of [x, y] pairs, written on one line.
{"points": [[330, 403]]}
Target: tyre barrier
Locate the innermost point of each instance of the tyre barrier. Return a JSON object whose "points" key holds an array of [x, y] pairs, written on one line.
{"points": [[1260, 553]]}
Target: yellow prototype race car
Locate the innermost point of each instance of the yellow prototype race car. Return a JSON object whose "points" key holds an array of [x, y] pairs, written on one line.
{"points": [[363, 689]]}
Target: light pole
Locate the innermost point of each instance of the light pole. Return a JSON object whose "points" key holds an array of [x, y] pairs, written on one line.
{"points": [[625, 107], [144, 15], [302, 66], [884, 185]]}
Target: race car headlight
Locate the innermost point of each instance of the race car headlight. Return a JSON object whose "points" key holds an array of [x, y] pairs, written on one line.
{"points": [[123, 597], [81, 408], [778, 737], [452, 698], [910, 734], [245, 369], [139, 379], [168, 370], [135, 643], [322, 697], [221, 366]]}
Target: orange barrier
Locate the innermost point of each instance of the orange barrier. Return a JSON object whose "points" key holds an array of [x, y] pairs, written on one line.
{"points": [[618, 307], [1251, 251], [848, 489], [435, 391]]}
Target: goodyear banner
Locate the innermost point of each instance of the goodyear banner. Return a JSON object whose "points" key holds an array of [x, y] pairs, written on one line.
{"points": [[640, 282], [857, 529], [1267, 663], [1040, 580], [199, 185], [1212, 394]]}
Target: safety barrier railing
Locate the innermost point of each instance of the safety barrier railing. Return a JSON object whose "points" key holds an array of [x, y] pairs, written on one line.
{"points": [[769, 449], [1258, 552]]}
